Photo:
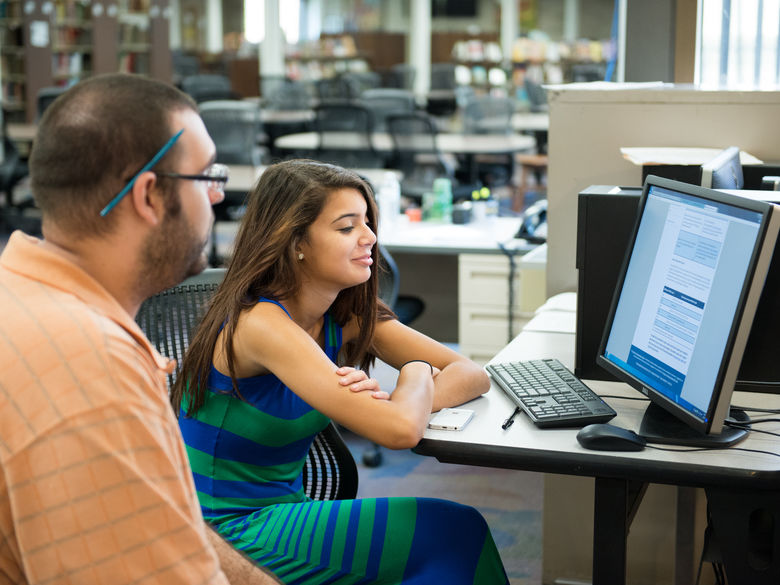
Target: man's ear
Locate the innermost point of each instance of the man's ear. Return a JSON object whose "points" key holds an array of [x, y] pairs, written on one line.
{"points": [[147, 199]]}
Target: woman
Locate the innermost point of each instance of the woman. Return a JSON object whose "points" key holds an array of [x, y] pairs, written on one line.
{"points": [[299, 298]]}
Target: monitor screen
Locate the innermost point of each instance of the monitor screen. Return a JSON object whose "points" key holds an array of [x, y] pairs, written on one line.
{"points": [[724, 171], [684, 305]]}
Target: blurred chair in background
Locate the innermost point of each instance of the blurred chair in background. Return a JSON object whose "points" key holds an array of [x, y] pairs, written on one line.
{"points": [[285, 94], [417, 155], [488, 114], [236, 129], [207, 87], [184, 65], [401, 76], [537, 95], [13, 168], [335, 89], [344, 133], [361, 81], [385, 101], [45, 96]]}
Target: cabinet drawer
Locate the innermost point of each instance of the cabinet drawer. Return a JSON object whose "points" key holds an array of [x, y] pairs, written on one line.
{"points": [[486, 325], [484, 279]]}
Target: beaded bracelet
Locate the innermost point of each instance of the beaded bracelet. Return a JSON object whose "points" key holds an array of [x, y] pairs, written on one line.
{"points": [[421, 361]]}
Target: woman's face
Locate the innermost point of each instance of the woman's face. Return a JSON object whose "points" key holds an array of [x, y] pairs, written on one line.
{"points": [[337, 251]]}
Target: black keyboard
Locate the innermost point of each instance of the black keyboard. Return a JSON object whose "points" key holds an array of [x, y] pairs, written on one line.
{"points": [[549, 393]]}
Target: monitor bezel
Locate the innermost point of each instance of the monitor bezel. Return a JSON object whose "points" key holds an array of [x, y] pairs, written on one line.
{"points": [[726, 158], [720, 400]]}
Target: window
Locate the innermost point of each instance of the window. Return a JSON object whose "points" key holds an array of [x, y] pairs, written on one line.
{"points": [[739, 45]]}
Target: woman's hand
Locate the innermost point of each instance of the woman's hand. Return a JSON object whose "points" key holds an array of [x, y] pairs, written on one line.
{"points": [[358, 381]]}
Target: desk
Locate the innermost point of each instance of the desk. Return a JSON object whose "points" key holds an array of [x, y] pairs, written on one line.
{"points": [[242, 177], [468, 145], [736, 482], [448, 143], [459, 270]]}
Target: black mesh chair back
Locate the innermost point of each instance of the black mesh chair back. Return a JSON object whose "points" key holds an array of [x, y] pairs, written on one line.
{"points": [[361, 81], [45, 97], [13, 168], [385, 101], [169, 319], [285, 94], [488, 115], [236, 129], [330, 89], [402, 76], [416, 153], [344, 135], [537, 95], [443, 76], [206, 87]]}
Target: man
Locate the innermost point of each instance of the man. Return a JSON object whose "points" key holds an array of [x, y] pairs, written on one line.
{"points": [[95, 486]]}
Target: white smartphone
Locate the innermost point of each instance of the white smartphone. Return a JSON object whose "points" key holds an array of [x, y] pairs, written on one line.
{"points": [[450, 419]]}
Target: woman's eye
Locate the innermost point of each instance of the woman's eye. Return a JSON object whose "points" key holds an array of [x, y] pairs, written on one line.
{"points": [[346, 230]]}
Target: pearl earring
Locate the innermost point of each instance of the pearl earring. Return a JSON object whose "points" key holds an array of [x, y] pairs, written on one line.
{"points": [[300, 255]]}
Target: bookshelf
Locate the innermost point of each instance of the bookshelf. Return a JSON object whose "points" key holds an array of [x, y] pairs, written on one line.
{"points": [[45, 43]]}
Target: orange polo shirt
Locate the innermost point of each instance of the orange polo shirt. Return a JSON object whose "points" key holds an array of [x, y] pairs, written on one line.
{"points": [[95, 485]]}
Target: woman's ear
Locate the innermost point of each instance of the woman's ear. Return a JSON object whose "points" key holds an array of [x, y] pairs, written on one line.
{"points": [[147, 200]]}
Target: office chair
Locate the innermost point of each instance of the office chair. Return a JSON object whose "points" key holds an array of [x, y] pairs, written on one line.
{"points": [[336, 89], [169, 318], [402, 76], [488, 114], [45, 96], [362, 81], [13, 168], [206, 87], [416, 153], [236, 129], [336, 123], [537, 95], [385, 101], [285, 94]]}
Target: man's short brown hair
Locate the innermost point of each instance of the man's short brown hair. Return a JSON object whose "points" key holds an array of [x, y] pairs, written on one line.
{"points": [[93, 139]]}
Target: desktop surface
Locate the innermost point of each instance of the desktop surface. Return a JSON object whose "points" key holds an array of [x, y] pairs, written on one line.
{"points": [[524, 446]]}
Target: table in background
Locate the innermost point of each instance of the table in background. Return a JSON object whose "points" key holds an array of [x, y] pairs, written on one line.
{"points": [[466, 145], [731, 477]]}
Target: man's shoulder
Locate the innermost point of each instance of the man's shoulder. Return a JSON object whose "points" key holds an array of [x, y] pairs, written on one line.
{"points": [[61, 357]]}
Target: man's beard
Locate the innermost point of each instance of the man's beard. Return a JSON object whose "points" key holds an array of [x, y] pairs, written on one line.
{"points": [[172, 253]]}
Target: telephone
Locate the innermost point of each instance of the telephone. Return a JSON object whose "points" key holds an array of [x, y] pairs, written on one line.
{"points": [[533, 227]]}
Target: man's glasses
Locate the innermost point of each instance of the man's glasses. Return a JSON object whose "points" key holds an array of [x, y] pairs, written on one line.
{"points": [[215, 176], [155, 159]]}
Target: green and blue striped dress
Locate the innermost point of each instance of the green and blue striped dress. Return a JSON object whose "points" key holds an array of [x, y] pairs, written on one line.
{"points": [[247, 458]]}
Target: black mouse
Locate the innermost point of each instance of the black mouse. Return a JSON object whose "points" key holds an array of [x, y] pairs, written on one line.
{"points": [[606, 437]]}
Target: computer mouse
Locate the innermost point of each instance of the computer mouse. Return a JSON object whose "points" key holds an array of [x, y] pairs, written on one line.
{"points": [[606, 437]]}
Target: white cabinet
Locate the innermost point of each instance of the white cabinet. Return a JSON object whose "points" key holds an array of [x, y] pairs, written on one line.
{"points": [[483, 300]]}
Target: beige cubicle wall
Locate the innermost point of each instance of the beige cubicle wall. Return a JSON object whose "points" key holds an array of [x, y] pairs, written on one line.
{"points": [[589, 123]]}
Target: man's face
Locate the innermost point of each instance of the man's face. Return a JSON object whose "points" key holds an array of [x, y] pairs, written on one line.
{"points": [[177, 248]]}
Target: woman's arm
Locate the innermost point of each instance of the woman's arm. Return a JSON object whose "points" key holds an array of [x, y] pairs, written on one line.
{"points": [[460, 379], [267, 340]]}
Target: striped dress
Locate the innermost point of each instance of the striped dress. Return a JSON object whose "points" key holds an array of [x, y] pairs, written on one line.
{"points": [[247, 458]]}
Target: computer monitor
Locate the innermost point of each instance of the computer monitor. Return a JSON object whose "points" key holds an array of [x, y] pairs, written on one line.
{"points": [[684, 305], [724, 171]]}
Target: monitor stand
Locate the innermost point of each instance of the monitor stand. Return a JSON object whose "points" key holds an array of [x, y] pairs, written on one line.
{"points": [[658, 426]]}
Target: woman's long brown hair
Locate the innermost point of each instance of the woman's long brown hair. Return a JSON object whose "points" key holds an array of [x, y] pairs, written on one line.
{"points": [[281, 206]]}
